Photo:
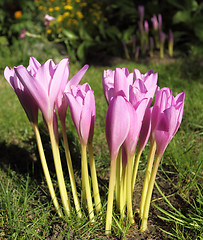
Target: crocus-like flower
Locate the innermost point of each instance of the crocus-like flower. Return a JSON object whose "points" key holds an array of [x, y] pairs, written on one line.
{"points": [[166, 117], [151, 46], [141, 12], [61, 102], [146, 27], [31, 108], [170, 43], [116, 83], [160, 21], [137, 53], [44, 83], [150, 83], [120, 82], [155, 22], [25, 97], [162, 38], [82, 107], [117, 125], [48, 19]]}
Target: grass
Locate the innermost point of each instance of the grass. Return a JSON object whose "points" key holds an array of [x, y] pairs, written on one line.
{"points": [[26, 211]]}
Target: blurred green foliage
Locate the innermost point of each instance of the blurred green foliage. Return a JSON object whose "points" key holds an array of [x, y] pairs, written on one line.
{"points": [[85, 29]]}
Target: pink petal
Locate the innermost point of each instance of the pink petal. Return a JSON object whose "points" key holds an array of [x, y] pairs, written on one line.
{"points": [[120, 83], [76, 78], [33, 67], [117, 124], [86, 117], [35, 88], [75, 110], [60, 76], [145, 130]]}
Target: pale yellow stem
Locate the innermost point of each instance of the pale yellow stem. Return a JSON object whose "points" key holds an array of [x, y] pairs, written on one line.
{"points": [[97, 199], [147, 176], [137, 160], [71, 173], [59, 172], [149, 194], [46, 170], [129, 188], [110, 197], [85, 179], [118, 178], [123, 192]]}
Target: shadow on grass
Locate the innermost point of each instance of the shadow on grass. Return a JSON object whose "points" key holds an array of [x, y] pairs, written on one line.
{"points": [[25, 160]]}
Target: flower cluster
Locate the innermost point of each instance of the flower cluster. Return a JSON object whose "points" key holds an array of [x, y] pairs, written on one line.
{"points": [[130, 121], [69, 14], [146, 40]]}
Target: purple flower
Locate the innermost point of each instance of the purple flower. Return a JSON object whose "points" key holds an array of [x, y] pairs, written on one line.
{"points": [[155, 22], [141, 12], [82, 108], [146, 26], [44, 83], [167, 115], [170, 36], [25, 97]]}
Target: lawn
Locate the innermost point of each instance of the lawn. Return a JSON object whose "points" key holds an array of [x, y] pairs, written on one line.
{"points": [[26, 210]]}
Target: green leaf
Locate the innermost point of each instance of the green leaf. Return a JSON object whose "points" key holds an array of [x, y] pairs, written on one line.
{"points": [[81, 51], [113, 32], [84, 35], [127, 34], [69, 34], [182, 16], [198, 28]]}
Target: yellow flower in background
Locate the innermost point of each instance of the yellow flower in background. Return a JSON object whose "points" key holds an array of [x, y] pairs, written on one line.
{"points": [[17, 14], [68, 1], [48, 31], [40, 7], [66, 14], [59, 30], [60, 18], [68, 7], [77, 1], [51, 9], [79, 14], [57, 8], [94, 22]]}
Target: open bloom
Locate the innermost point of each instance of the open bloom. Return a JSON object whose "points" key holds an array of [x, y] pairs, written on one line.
{"points": [[44, 83], [25, 97], [82, 107], [166, 117], [120, 82]]}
